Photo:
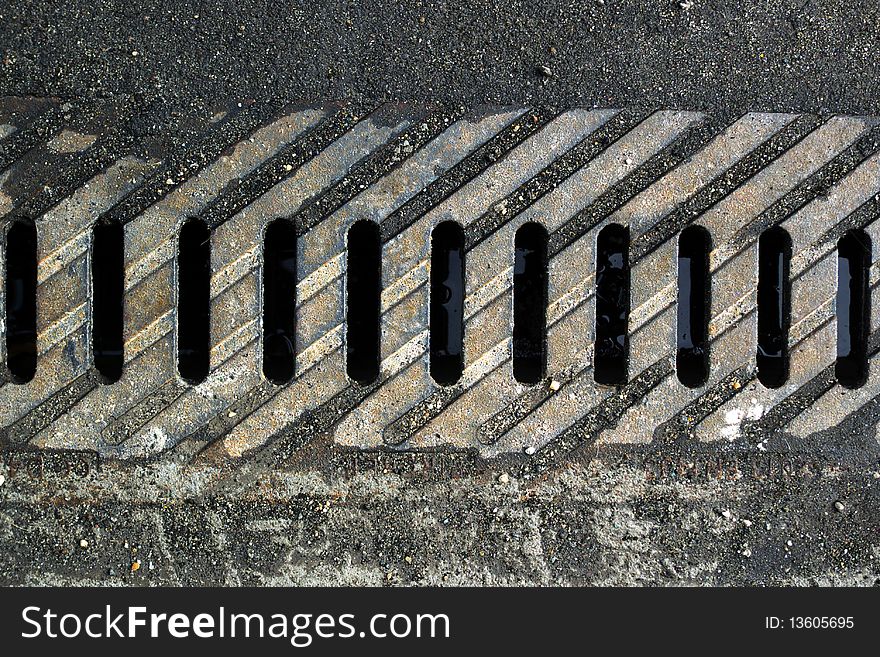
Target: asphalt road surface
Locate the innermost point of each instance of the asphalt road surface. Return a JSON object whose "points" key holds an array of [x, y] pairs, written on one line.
{"points": [[801, 508]]}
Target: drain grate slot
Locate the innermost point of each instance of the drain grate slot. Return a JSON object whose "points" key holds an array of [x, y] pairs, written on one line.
{"points": [[21, 301], [774, 306], [194, 301], [853, 308], [279, 301], [364, 287], [612, 305], [447, 303], [692, 341], [530, 304], [108, 291]]}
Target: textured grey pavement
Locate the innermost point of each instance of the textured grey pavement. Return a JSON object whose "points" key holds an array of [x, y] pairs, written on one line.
{"points": [[737, 120]]}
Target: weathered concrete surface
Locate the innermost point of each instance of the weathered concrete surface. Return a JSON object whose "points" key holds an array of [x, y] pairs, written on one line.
{"points": [[623, 519]]}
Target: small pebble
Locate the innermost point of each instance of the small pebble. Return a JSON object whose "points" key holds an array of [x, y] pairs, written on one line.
{"points": [[669, 568], [544, 70], [83, 543], [839, 506], [504, 478]]}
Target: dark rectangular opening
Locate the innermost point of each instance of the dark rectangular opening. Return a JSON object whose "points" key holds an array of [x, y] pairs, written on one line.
{"points": [[21, 301], [692, 339], [611, 353], [774, 306], [279, 301], [108, 290], [194, 301], [853, 308], [447, 303], [363, 298], [530, 303]]}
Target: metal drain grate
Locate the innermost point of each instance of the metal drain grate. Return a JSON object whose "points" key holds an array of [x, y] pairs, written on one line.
{"points": [[411, 169]]}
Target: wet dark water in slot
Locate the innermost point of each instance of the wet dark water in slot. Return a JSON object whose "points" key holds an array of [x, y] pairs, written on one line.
{"points": [[279, 301], [363, 288], [530, 303], [853, 308], [447, 303], [612, 306], [774, 306], [21, 301], [692, 342], [194, 301], [108, 291]]}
